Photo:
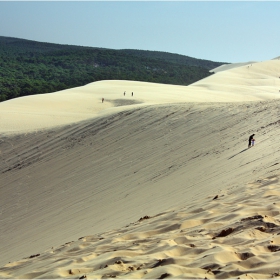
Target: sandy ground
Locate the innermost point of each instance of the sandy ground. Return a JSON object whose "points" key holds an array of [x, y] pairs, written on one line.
{"points": [[249, 82], [126, 188]]}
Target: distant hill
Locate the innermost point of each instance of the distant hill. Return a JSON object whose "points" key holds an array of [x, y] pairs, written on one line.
{"points": [[175, 58], [30, 67]]}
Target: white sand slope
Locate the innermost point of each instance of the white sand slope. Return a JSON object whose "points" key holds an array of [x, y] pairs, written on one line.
{"points": [[257, 81], [226, 237], [161, 157], [245, 83], [231, 66]]}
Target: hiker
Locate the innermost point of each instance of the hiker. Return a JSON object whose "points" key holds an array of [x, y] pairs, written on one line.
{"points": [[124, 93], [250, 140], [132, 94], [102, 100]]}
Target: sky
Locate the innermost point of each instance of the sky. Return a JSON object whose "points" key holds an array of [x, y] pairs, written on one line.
{"points": [[223, 31]]}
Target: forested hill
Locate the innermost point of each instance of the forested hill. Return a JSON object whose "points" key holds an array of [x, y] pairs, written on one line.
{"points": [[29, 67], [175, 58]]}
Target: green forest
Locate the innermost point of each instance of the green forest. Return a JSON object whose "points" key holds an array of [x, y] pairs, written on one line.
{"points": [[29, 67]]}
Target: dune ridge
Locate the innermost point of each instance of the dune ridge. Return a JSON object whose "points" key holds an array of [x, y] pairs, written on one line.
{"points": [[259, 81], [158, 185]]}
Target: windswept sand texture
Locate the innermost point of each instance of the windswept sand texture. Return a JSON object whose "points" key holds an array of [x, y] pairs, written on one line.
{"points": [[226, 237], [82, 173]]}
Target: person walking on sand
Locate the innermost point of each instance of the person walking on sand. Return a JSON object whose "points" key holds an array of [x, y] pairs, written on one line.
{"points": [[124, 93], [250, 140], [102, 100], [132, 94]]}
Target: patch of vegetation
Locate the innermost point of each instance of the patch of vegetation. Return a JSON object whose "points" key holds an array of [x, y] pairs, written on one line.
{"points": [[29, 67]]}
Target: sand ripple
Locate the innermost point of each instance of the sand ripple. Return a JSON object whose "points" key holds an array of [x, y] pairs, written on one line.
{"points": [[237, 240]]}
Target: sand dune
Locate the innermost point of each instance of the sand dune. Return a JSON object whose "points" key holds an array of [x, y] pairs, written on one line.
{"points": [[231, 66], [235, 237], [253, 82], [128, 186]]}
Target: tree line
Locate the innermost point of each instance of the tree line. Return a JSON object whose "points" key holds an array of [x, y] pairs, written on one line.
{"points": [[30, 67]]}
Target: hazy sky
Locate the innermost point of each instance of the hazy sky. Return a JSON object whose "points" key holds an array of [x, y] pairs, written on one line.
{"points": [[220, 31]]}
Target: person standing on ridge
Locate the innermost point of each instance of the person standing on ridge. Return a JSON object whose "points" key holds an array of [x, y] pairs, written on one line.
{"points": [[250, 140]]}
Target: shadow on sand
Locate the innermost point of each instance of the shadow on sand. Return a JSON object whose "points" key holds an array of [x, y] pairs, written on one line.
{"points": [[238, 153]]}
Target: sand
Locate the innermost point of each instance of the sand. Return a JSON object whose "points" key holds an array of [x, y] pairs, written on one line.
{"points": [[249, 82], [126, 188]]}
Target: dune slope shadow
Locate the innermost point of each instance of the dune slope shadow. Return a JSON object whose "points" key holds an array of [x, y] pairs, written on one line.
{"points": [[124, 102]]}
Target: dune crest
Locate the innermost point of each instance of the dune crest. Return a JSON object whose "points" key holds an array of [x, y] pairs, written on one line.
{"points": [[250, 82]]}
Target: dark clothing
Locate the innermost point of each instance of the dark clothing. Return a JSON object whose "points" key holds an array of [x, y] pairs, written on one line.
{"points": [[250, 139]]}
